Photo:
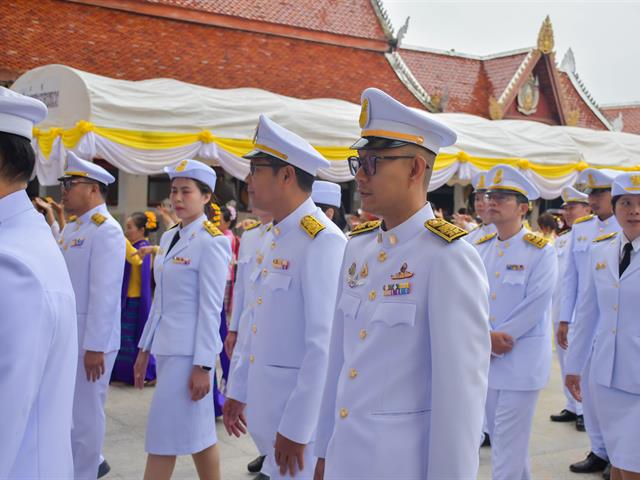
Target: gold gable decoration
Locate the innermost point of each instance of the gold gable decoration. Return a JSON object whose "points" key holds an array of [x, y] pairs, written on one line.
{"points": [[495, 109], [546, 43]]}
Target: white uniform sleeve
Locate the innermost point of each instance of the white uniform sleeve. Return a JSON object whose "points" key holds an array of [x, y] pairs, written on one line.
{"points": [[319, 278], [583, 330], [105, 287], [238, 297], [26, 332], [460, 352], [214, 266], [569, 291], [540, 285]]}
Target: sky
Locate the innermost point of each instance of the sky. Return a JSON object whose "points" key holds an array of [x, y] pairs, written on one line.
{"points": [[604, 35]]}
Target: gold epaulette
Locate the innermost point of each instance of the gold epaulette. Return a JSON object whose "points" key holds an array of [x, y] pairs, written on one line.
{"points": [[212, 229], [486, 238], [604, 237], [311, 225], [365, 227], [586, 218], [535, 240], [98, 218], [72, 218], [252, 225], [444, 229]]}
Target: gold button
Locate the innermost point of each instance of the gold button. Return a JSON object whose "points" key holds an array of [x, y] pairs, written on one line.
{"points": [[382, 256], [254, 328], [506, 244], [264, 272], [252, 358], [363, 334], [353, 373], [273, 245], [497, 274], [344, 412], [393, 239], [493, 296], [500, 253], [372, 295], [276, 230], [259, 301]]}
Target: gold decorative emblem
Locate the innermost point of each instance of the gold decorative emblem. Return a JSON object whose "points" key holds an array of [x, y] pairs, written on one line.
{"points": [[635, 180], [365, 227], [364, 271], [495, 109], [592, 181], [182, 166], [403, 273], [480, 185], [529, 96], [312, 226], [546, 42], [497, 179], [364, 113], [442, 228], [382, 256]]}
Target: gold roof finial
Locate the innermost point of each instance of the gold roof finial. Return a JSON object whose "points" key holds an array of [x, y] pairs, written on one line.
{"points": [[545, 37]]}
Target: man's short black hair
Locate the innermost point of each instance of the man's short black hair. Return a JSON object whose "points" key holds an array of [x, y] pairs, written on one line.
{"points": [[17, 158], [520, 199], [305, 179]]}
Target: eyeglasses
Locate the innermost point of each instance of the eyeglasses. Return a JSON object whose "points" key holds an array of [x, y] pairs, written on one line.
{"points": [[498, 197], [68, 183], [253, 167], [369, 161]]}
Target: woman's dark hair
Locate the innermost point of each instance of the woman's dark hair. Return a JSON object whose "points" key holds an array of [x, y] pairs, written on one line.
{"points": [[17, 158], [140, 220], [339, 215], [204, 189], [547, 221], [226, 214], [614, 200]]}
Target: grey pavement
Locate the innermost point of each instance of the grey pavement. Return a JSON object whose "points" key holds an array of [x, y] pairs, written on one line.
{"points": [[553, 446]]}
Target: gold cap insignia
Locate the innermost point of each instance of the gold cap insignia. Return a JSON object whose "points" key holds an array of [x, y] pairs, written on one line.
{"points": [[635, 180], [497, 179], [480, 183], [182, 165], [364, 113]]}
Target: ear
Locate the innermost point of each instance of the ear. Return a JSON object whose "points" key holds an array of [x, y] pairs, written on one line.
{"points": [[419, 167], [288, 175]]}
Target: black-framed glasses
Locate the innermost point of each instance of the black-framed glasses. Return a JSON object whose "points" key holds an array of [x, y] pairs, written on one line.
{"points": [[369, 161], [68, 183], [253, 167]]}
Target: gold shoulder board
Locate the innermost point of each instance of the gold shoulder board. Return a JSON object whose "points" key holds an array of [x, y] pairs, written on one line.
{"points": [[252, 225], [444, 229], [311, 225], [486, 238], [98, 218], [604, 237], [586, 218], [212, 229], [365, 227], [535, 240]]}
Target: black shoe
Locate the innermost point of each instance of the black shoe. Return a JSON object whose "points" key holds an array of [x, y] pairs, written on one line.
{"points": [[103, 469], [607, 472], [592, 463], [580, 424], [564, 416], [262, 476], [487, 441], [255, 466]]}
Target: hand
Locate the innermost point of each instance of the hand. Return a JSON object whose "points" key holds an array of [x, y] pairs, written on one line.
{"points": [[148, 250], [501, 343], [438, 213], [140, 369], [561, 335], [573, 384], [319, 472], [233, 417], [199, 383], [45, 208], [94, 365], [287, 454], [230, 343], [58, 209]]}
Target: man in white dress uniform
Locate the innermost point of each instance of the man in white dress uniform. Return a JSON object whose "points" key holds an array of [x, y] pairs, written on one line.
{"points": [[38, 338], [93, 246], [522, 269], [479, 184], [409, 352], [280, 373]]}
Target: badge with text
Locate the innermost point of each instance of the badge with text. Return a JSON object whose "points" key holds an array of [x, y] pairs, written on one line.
{"points": [[403, 273], [393, 289]]}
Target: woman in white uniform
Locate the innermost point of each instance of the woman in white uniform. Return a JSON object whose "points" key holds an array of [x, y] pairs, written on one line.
{"points": [[609, 308], [182, 331]]}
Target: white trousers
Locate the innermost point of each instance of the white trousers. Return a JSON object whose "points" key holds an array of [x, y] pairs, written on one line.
{"points": [[87, 432], [572, 404], [591, 423], [509, 420]]}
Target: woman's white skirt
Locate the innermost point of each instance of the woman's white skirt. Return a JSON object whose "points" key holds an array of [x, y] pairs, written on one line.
{"points": [[177, 425], [618, 414]]}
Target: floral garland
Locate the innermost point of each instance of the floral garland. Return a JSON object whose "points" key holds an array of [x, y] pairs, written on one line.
{"points": [[217, 214], [152, 221]]}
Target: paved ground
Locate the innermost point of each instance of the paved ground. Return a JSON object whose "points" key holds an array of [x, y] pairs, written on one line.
{"points": [[553, 446]]}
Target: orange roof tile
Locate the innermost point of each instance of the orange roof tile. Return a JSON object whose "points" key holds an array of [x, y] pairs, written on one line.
{"points": [[630, 115]]}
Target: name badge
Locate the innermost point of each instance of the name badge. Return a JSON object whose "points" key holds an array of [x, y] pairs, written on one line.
{"points": [[280, 263], [601, 265], [182, 260], [515, 268]]}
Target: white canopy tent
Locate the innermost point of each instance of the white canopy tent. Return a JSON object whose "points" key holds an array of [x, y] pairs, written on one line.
{"points": [[142, 126]]}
